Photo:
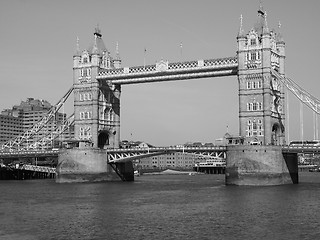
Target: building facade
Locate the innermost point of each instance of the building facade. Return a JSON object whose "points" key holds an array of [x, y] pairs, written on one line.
{"points": [[15, 121], [10, 127]]}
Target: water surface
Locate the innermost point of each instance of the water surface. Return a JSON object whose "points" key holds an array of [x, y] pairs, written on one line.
{"points": [[160, 207]]}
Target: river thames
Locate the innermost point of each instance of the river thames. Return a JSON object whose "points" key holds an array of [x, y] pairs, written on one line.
{"points": [[160, 207]]}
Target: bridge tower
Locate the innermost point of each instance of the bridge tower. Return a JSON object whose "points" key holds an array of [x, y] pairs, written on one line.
{"points": [[261, 96], [96, 104]]}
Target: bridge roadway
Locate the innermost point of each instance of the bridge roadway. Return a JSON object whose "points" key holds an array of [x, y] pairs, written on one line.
{"points": [[127, 154]]}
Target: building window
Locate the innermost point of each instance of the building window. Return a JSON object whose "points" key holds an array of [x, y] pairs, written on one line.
{"points": [[254, 85], [80, 97], [259, 84], [253, 55], [254, 128], [85, 132], [254, 106], [253, 42], [248, 85]]}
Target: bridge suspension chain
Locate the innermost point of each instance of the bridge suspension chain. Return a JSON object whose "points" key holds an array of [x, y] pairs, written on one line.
{"points": [[16, 142], [46, 140], [305, 97]]}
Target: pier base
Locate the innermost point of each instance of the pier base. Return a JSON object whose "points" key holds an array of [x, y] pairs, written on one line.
{"points": [[90, 165], [260, 166]]}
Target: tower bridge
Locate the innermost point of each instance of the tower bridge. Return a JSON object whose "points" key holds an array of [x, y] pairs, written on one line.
{"points": [[259, 64]]}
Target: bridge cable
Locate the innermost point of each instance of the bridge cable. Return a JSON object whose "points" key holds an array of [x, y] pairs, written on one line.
{"points": [[304, 96], [17, 141]]}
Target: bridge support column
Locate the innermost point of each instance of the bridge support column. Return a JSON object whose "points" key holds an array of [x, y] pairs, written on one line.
{"points": [[89, 165], [260, 165]]}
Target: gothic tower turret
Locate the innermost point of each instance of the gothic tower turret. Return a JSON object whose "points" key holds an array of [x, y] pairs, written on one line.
{"points": [[96, 104], [261, 97]]}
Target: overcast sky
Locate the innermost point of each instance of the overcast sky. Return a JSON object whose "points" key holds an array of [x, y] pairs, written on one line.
{"points": [[38, 40]]}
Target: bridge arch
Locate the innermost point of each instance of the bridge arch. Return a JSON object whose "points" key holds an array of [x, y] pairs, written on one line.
{"points": [[276, 134], [103, 139]]}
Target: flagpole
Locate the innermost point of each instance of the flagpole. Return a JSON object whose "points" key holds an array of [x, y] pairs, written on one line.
{"points": [[144, 57]]}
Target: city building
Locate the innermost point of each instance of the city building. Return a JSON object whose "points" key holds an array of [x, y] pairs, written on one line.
{"points": [[10, 127], [14, 122]]}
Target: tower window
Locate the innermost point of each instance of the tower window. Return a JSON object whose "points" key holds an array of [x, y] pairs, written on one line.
{"points": [[253, 41], [259, 84], [254, 128], [253, 56], [254, 85]]}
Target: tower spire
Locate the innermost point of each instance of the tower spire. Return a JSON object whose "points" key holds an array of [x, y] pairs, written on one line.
{"points": [[117, 51], [97, 31], [265, 24], [77, 53], [260, 11], [279, 34], [241, 32]]}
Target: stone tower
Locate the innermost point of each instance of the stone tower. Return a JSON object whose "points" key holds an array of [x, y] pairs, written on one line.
{"points": [[261, 95], [96, 104]]}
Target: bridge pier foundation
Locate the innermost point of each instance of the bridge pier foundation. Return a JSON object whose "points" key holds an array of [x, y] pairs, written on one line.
{"points": [[88, 165], [260, 165]]}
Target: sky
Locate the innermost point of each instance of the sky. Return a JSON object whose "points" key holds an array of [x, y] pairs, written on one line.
{"points": [[38, 40]]}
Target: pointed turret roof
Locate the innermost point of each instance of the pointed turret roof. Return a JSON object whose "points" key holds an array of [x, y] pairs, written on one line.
{"points": [[98, 45], [241, 31], [261, 25]]}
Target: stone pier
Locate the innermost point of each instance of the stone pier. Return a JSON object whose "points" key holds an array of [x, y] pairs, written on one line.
{"points": [[260, 165], [90, 165]]}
